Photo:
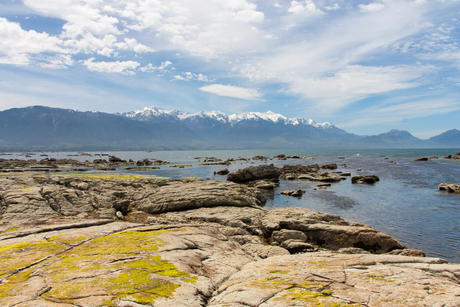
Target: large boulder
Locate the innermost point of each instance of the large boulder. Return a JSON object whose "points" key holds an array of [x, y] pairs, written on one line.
{"points": [[252, 173], [178, 196]]}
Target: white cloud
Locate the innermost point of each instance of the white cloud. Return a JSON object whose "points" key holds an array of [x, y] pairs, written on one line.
{"points": [[161, 69], [371, 7], [333, 7], [354, 83], [232, 91], [125, 67], [249, 16], [306, 7], [17, 45], [322, 68], [188, 76], [178, 77]]}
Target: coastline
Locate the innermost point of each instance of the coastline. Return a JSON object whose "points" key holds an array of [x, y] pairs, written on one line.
{"points": [[136, 242]]}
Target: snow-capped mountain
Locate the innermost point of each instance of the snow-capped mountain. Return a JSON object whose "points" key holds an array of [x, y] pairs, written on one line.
{"points": [[154, 114], [247, 129], [38, 128]]}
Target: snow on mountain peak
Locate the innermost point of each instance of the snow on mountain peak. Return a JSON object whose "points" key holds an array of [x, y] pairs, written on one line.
{"points": [[148, 113]]}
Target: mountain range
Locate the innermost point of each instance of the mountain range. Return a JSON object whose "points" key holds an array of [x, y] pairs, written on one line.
{"points": [[151, 128]]}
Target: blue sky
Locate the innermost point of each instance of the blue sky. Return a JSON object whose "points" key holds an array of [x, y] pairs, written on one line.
{"points": [[365, 66]]}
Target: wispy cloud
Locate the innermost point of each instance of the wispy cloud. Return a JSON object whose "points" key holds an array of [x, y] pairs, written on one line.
{"points": [[393, 113], [232, 91]]}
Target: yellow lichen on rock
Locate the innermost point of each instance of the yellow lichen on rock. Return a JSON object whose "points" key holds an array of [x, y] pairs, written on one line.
{"points": [[120, 266], [67, 239], [22, 254]]}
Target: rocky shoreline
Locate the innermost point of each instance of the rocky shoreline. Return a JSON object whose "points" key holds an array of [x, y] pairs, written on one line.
{"points": [[88, 241]]}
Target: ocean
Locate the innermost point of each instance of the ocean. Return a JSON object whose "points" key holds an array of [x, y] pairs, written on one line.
{"points": [[405, 203]]}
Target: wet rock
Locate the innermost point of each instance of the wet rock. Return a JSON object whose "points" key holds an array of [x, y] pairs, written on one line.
{"points": [[322, 177], [253, 173], [260, 158], [114, 159], [369, 179], [331, 166], [451, 188], [267, 184], [224, 171], [297, 193], [295, 170]]}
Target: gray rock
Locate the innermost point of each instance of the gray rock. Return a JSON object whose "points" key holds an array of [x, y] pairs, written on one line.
{"points": [[328, 231], [178, 196], [297, 193], [224, 171], [369, 179], [329, 166], [286, 234], [252, 173], [296, 246]]}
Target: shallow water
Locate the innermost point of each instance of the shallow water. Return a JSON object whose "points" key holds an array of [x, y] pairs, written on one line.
{"points": [[405, 203]]}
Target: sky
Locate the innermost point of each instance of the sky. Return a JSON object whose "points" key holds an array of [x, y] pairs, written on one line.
{"points": [[364, 66]]}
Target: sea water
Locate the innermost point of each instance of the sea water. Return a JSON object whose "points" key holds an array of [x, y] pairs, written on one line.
{"points": [[405, 203]]}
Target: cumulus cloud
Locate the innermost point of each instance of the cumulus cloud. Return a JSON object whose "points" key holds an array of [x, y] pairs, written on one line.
{"points": [[125, 67], [306, 7], [334, 7], [16, 45], [371, 7], [232, 91]]}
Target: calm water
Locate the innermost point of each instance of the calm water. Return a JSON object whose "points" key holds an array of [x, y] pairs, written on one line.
{"points": [[405, 203]]}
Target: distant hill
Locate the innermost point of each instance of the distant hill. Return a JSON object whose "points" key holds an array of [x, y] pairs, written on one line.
{"points": [[45, 128], [392, 139], [450, 138]]}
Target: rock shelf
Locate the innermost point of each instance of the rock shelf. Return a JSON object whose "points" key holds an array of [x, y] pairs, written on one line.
{"points": [[88, 241]]}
